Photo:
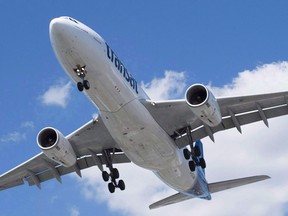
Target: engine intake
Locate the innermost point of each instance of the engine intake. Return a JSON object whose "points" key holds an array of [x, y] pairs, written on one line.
{"points": [[203, 104], [47, 138], [56, 147], [196, 95]]}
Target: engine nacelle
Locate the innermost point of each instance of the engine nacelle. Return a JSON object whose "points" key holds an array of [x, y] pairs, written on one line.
{"points": [[203, 104], [56, 147]]}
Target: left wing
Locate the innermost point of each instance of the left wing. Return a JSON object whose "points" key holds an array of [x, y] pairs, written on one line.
{"points": [[175, 116], [89, 143]]}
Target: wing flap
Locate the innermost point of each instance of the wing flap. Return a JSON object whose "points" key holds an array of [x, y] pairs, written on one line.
{"points": [[213, 188], [82, 163], [227, 123], [11, 184], [249, 103]]}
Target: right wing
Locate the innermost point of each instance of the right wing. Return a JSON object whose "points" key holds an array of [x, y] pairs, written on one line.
{"points": [[174, 116], [89, 142], [213, 188]]}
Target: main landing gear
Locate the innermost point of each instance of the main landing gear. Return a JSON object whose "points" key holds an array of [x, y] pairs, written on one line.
{"points": [[196, 153], [81, 73], [113, 175]]}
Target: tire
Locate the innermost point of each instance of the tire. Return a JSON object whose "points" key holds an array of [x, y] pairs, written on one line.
{"points": [[80, 86], [186, 154], [86, 84], [121, 185], [197, 151], [105, 176], [192, 166], [202, 163], [111, 187], [115, 173]]}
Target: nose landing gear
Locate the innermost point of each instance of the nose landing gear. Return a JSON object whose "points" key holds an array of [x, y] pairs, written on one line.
{"points": [[81, 73]]}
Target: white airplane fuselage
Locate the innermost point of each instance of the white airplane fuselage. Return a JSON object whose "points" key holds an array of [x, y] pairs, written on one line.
{"points": [[118, 97]]}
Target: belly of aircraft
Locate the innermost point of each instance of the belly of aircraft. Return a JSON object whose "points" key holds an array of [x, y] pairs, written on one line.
{"points": [[139, 136]]}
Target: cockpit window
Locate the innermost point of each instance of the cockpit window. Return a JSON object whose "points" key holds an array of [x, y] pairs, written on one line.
{"points": [[73, 20]]}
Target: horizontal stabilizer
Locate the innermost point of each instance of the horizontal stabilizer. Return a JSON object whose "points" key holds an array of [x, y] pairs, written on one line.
{"points": [[213, 188], [225, 185]]}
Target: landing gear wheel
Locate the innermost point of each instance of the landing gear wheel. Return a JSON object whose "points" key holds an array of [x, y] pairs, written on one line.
{"points": [[111, 187], [192, 166], [197, 151], [105, 176], [86, 84], [115, 173], [80, 86], [202, 163], [121, 185], [186, 153]]}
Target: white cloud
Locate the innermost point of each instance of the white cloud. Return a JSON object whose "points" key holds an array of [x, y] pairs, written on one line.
{"points": [[13, 137], [258, 151], [171, 86], [28, 124], [74, 211], [57, 95], [17, 136], [264, 79]]}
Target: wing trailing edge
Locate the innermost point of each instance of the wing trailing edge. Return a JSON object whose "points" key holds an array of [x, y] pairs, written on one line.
{"points": [[213, 188]]}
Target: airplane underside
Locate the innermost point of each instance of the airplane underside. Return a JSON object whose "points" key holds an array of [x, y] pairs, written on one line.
{"points": [[161, 136]]}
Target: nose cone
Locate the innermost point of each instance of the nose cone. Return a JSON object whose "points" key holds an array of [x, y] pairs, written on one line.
{"points": [[62, 34], [56, 28]]}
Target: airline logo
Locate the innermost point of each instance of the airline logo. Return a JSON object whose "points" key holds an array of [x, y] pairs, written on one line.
{"points": [[121, 68]]}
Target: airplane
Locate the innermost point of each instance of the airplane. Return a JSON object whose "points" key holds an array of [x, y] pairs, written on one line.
{"points": [[161, 136]]}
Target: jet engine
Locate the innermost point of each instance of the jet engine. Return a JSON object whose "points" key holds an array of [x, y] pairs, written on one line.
{"points": [[203, 104], [56, 147]]}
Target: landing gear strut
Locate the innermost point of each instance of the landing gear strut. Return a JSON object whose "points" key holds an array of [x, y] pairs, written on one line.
{"points": [[195, 154], [113, 175], [81, 73]]}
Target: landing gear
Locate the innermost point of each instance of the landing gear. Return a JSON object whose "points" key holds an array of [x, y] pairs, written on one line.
{"points": [[81, 73], [111, 187], [192, 166], [86, 84], [113, 175], [202, 163], [187, 154], [105, 176], [80, 86], [121, 185], [196, 153]]}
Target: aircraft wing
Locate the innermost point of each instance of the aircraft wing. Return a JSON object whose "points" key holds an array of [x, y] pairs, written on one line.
{"points": [[88, 142], [175, 115]]}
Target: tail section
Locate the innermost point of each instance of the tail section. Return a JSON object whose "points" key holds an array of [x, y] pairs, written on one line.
{"points": [[225, 185], [213, 188]]}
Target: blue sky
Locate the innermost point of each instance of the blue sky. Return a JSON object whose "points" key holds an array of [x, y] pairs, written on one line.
{"points": [[210, 41]]}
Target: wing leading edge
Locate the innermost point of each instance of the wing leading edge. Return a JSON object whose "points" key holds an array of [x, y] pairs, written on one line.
{"points": [[89, 142]]}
